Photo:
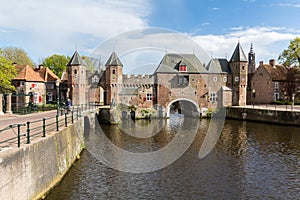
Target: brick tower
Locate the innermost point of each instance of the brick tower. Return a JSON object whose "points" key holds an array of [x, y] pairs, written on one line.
{"points": [[239, 68], [77, 79], [114, 78]]}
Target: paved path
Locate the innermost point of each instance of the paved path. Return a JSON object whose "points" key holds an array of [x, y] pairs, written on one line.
{"points": [[7, 120], [273, 107]]}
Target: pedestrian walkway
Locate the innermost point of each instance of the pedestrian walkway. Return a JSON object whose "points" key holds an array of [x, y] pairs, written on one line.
{"points": [[9, 126], [295, 108]]}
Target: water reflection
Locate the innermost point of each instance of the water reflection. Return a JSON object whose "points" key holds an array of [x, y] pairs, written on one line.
{"points": [[250, 161]]}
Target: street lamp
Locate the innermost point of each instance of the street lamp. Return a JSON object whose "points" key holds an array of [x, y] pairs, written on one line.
{"points": [[293, 100], [253, 96], [57, 96]]}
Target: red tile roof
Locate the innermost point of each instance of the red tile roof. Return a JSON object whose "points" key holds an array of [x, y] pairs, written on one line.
{"points": [[46, 74], [26, 73]]}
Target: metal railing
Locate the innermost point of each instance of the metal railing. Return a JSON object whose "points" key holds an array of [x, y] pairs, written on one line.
{"points": [[41, 127]]}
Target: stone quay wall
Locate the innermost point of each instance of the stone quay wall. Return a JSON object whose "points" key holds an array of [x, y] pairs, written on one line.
{"points": [[284, 117], [33, 170]]}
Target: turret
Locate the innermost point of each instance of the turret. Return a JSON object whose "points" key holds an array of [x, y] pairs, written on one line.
{"points": [[239, 68]]}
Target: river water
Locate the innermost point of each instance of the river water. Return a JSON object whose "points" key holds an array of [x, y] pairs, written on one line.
{"points": [[249, 161]]}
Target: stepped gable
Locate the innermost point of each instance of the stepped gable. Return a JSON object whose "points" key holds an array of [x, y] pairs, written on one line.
{"points": [[76, 60], [170, 63], [238, 54], [218, 65], [26, 73], [113, 60]]}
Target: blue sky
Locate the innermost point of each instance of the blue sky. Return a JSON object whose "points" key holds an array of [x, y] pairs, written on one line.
{"points": [[46, 27]]}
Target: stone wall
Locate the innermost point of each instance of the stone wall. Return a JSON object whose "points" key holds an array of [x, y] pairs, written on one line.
{"points": [[32, 170], [261, 115]]}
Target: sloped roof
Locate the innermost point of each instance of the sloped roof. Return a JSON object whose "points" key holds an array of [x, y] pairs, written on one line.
{"points": [[238, 54], [113, 60], [129, 91], [170, 63], [46, 74], [26, 73], [218, 65], [76, 60], [277, 73]]}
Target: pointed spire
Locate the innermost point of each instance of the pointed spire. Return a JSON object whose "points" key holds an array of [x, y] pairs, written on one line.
{"points": [[251, 48], [238, 54], [113, 60], [76, 60]]}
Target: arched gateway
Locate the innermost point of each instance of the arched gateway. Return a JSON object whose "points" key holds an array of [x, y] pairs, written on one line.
{"points": [[183, 106]]}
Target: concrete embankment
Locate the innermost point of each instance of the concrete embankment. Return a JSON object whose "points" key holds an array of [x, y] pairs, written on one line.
{"points": [[264, 115], [31, 171]]}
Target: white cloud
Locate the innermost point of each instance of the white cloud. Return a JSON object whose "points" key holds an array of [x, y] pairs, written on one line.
{"points": [[268, 42], [56, 25], [289, 5]]}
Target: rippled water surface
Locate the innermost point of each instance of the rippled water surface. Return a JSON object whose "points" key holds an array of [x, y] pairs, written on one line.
{"points": [[249, 161]]}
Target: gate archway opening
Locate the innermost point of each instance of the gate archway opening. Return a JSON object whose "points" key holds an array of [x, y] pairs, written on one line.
{"points": [[185, 107]]}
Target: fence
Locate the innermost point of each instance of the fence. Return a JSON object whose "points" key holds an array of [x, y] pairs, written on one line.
{"points": [[26, 131]]}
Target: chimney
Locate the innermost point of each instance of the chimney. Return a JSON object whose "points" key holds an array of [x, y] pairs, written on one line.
{"points": [[261, 63], [41, 66], [272, 63]]}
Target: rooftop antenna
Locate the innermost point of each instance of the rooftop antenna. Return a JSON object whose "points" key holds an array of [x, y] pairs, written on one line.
{"points": [[211, 54], [75, 46], [238, 39], [226, 55]]}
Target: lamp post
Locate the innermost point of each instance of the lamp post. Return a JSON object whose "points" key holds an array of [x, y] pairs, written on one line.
{"points": [[57, 96], [293, 100], [253, 96]]}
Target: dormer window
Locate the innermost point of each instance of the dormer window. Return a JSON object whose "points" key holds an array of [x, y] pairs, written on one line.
{"points": [[182, 68]]}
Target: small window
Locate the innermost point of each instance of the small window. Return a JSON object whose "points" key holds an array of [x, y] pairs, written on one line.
{"points": [[35, 97], [182, 68], [21, 83], [183, 80], [149, 96], [276, 96], [243, 67], [236, 79], [113, 71], [75, 71], [215, 79], [276, 85], [225, 79], [49, 94], [212, 97]]}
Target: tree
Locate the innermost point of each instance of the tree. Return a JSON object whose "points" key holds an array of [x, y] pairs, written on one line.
{"points": [[293, 81], [57, 63], [291, 55], [7, 72], [17, 55]]}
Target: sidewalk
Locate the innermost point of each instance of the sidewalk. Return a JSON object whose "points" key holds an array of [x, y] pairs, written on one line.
{"points": [[7, 120]]}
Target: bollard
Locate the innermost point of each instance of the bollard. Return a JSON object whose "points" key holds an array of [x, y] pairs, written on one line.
{"points": [[57, 129], [66, 120], [44, 127], [28, 132], [72, 116], [19, 135]]}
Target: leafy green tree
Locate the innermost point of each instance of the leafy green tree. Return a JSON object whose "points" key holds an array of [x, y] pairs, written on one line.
{"points": [[57, 63], [17, 55], [7, 72], [291, 55]]}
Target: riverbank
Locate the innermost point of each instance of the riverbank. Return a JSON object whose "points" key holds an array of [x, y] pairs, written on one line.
{"points": [[34, 169], [267, 114]]}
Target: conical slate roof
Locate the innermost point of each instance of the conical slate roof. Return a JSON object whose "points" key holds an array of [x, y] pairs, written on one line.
{"points": [[113, 60], [238, 54], [76, 60]]}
